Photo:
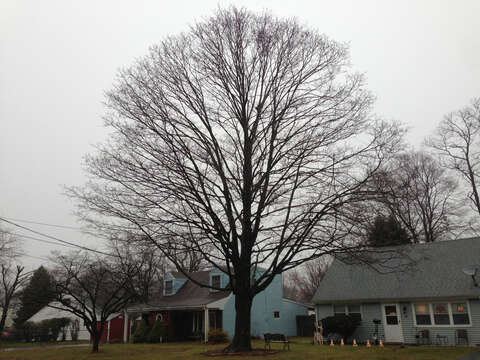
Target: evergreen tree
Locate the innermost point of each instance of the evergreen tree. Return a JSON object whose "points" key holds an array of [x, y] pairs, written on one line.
{"points": [[386, 231], [37, 294]]}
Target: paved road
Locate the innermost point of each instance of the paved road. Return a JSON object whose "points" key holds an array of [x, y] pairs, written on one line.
{"points": [[45, 347]]}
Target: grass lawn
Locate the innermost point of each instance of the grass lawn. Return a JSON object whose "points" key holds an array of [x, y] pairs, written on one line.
{"points": [[301, 349]]}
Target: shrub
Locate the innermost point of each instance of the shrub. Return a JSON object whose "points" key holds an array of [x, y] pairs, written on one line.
{"points": [[49, 329], [56, 326], [344, 325], [74, 329], [141, 332], [41, 333], [25, 331], [217, 336], [158, 331]]}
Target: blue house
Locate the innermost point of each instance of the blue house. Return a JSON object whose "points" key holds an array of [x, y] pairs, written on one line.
{"points": [[189, 311], [426, 295]]}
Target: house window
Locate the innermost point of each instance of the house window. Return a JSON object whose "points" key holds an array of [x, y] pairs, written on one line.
{"points": [[339, 309], [216, 281], [168, 287], [440, 314], [422, 314], [197, 322], [212, 319], [276, 314], [391, 316], [460, 314], [352, 310]]}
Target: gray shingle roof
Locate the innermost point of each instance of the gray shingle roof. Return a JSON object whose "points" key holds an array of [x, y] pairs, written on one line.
{"points": [[435, 272], [190, 295]]}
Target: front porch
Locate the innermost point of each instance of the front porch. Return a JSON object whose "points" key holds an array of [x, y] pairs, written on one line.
{"points": [[182, 324]]}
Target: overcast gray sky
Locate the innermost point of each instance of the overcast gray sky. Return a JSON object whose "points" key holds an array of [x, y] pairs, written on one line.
{"points": [[421, 59]]}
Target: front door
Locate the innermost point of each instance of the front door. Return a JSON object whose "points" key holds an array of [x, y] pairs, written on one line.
{"points": [[392, 323]]}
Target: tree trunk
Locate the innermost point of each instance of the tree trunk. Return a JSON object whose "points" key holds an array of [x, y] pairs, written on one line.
{"points": [[96, 335], [96, 341], [4, 317], [241, 340]]}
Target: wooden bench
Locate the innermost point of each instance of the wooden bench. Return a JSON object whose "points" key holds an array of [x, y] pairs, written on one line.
{"points": [[276, 338]]}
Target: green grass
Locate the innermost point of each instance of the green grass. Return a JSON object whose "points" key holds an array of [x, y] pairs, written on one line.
{"points": [[302, 349]]}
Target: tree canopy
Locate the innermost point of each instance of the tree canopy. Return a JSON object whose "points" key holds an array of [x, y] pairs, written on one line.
{"points": [[39, 292], [245, 140], [387, 231]]}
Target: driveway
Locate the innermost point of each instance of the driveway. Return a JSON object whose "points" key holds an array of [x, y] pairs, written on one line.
{"points": [[44, 347]]}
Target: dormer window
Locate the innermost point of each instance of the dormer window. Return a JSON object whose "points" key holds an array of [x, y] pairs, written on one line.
{"points": [[216, 281], [168, 287]]}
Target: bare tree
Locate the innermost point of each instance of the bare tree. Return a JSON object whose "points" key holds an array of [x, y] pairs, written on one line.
{"points": [[92, 288], [9, 246], [302, 283], [420, 194], [11, 280], [186, 258], [457, 141], [242, 140], [147, 280], [12, 276]]}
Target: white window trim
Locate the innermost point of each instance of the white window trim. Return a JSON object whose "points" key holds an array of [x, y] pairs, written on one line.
{"points": [[211, 281], [450, 314], [165, 288], [346, 309]]}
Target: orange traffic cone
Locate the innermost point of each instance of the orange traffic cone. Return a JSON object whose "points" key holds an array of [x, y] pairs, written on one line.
{"points": [[331, 342], [355, 342], [368, 343], [342, 343], [380, 343]]}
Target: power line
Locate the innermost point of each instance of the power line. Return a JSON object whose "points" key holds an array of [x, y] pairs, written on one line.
{"points": [[55, 238], [37, 239], [45, 224], [36, 257]]}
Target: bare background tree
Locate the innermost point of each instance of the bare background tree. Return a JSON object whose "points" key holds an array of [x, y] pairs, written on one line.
{"points": [[12, 275], [457, 142], [10, 246], [93, 288], [243, 140], [420, 194], [300, 284], [152, 265]]}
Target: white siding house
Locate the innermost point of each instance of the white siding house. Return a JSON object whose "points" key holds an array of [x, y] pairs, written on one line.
{"points": [[49, 313]]}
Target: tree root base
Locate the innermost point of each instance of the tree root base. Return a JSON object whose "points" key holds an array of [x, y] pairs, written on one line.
{"points": [[232, 352]]}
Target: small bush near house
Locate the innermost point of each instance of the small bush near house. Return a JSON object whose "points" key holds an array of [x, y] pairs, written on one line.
{"points": [[217, 336], [141, 333], [49, 330], [57, 326], [158, 333], [339, 325], [74, 329], [25, 332], [43, 331]]}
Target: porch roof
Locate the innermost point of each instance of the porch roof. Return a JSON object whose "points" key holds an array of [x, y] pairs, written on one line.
{"points": [[189, 296]]}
